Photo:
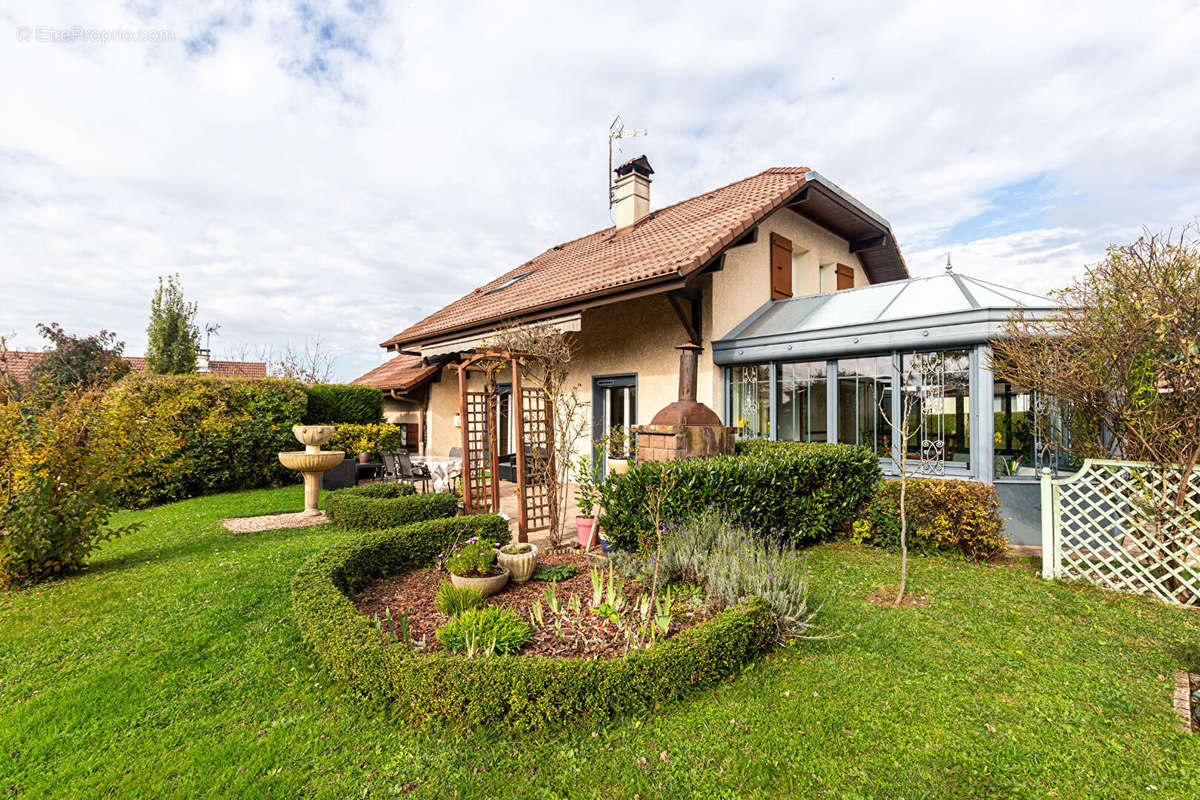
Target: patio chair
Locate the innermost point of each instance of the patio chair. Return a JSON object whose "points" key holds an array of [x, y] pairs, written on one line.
{"points": [[411, 474]]}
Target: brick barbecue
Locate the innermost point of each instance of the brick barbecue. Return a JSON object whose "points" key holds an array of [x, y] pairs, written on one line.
{"points": [[685, 428]]}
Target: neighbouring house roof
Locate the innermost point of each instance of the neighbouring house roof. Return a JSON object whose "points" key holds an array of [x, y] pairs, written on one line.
{"points": [[935, 311], [19, 363], [669, 244], [401, 374]]}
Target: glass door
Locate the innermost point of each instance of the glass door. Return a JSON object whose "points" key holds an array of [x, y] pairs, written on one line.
{"points": [[614, 411]]}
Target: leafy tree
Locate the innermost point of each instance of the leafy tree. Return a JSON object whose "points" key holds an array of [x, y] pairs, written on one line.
{"points": [[79, 361], [173, 337]]}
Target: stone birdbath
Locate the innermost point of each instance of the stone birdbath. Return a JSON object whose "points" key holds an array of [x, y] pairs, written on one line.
{"points": [[312, 461]]}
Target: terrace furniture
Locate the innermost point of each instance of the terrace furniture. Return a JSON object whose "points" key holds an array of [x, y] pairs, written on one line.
{"points": [[343, 476]]}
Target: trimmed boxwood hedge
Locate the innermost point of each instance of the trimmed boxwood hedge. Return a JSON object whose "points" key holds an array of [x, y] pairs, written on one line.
{"points": [[332, 403], [386, 505], [520, 691], [796, 490]]}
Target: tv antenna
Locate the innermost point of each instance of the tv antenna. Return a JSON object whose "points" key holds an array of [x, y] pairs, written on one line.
{"points": [[616, 132], [209, 330]]}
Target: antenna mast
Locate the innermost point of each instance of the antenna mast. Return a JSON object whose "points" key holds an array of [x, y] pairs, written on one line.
{"points": [[617, 131]]}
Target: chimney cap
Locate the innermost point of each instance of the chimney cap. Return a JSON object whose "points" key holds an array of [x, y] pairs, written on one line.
{"points": [[639, 164], [690, 346]]}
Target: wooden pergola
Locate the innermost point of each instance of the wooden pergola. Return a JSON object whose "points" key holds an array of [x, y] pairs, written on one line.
{"points": [[534, 428]]}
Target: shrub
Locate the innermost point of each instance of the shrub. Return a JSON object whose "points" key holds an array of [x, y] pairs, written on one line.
{"points": [[801, 490], [521, 691], [733, 564], [354, 439], [335, 403], [942, 515], [376, 509], [472, 557], [485, 631], [59, 467], [192, 435], [452, 600]]}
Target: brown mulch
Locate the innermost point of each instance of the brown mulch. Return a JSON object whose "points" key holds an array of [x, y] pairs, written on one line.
{"points": [[588, 637]]}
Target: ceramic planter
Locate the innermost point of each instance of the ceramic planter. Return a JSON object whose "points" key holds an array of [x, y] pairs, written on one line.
{"points": [[585, 526], [519, 565], [487, 585], [618, 466], [363, 458]]}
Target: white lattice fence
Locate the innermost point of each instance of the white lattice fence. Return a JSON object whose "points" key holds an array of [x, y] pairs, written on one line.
{"points": [[1106, 524]]}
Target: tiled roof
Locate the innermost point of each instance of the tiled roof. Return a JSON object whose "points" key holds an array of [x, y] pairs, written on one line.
{"points": [[401, 373], [672, 242], [19, 363]]}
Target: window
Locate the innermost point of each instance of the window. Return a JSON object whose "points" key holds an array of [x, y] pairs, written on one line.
{"points": [[802, 401], [510, 282], [1028, 434], [751, 395], [941, 380], [864, 384]]}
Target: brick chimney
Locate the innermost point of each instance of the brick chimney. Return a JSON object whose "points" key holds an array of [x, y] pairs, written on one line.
{"points": [[631, 193]]}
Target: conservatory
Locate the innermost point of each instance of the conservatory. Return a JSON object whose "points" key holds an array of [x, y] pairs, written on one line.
{"points": [[837, 367]]}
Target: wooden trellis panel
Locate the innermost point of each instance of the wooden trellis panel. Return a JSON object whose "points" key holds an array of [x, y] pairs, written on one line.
{"points": [[538, 503], [480, 490], [1098, 525]]}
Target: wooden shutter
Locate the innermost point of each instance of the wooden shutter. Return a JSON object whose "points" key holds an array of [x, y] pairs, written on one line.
{"points": [[781, 267], [412, 437], [845, 277]]}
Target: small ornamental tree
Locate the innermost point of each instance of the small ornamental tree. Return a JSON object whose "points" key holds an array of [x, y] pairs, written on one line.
{"points": [[905, 429], [172, 336], [1121, 361], [79, 361]]}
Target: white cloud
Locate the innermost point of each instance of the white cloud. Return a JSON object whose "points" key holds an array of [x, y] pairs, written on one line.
{"points": [[348, 169]]}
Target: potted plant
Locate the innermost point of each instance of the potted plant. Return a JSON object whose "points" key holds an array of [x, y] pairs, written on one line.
{"points": [[586, 496], [363, 446], [473, 563], [519, 558], [620, 440]]}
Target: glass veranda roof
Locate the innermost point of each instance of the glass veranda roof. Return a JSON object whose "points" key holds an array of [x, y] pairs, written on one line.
{"points": [[896, 314]]}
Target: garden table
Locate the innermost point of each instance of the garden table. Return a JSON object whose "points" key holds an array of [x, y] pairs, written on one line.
{"points": [[442, 468]]}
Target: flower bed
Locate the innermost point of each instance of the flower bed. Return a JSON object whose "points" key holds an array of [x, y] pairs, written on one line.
{"points": [[588, 634], [516, 690]]}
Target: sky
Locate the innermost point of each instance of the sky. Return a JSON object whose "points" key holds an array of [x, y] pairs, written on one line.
{"points": [[340, 170]]}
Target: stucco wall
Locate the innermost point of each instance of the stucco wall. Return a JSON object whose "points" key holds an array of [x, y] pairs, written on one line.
{"points": [[398, 411]]}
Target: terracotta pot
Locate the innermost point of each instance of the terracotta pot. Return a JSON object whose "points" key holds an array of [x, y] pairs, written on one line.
{"points": [[519, 565], [487, 585], [588, 534], [363, 458]]}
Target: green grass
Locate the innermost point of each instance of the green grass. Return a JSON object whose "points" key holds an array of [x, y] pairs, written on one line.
{"points": [[173, 668]]}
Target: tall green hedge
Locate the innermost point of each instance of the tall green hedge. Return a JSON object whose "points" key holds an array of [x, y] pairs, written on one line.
{"points": [[514, 690], [794, 490], [368, 508], [331, 403], [199, 434]]}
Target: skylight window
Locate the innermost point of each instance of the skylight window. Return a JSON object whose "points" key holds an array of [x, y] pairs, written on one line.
{"points": [[510, 282]]}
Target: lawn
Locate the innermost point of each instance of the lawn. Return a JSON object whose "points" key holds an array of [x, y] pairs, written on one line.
{"points": [[173, 668]]}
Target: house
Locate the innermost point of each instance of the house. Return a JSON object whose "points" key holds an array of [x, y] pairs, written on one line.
{"points": [[404, 381], [19, 364], [805, 310]]}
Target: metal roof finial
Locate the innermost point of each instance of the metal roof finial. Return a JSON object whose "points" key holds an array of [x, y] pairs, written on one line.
{"points": [[949, 266]]}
